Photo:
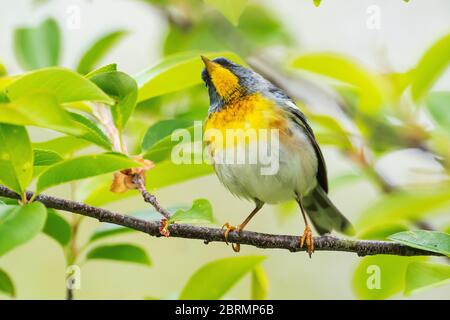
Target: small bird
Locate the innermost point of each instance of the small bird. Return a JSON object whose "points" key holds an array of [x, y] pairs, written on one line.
{"points": [[241, 99]]}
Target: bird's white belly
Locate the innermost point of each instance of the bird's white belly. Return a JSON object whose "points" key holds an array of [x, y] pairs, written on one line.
{"points": [[296, 173]]}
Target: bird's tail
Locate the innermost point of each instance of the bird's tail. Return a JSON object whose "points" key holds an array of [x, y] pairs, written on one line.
{"points": [[324, 215]]}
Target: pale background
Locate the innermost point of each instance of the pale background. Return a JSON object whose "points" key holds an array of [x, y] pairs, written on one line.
{"points": [[406, 31]]}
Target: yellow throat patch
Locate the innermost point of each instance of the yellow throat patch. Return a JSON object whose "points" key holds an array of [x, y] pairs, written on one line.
{"points": [[225, 82], [252, 112]]}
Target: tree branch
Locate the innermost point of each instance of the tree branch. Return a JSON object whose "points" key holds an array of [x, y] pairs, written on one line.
{"points": [[148, 197], [207, 234]]}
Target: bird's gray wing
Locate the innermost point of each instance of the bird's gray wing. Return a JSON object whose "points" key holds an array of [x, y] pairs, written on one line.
{"points": [[322, 168], [299, 118]]}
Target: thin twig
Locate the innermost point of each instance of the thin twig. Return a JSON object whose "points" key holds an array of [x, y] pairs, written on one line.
{"points": [[207, 234], [148, 197]]}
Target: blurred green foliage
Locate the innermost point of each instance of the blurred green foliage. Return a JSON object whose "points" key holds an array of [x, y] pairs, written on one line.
{"points": [[214, 279], [119, 252], [380, 277], [92, 57], [421, 275], [19, 224], [38, 47], [6, 284]]}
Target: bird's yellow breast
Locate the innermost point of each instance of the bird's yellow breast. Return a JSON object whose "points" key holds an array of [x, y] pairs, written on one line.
{"points": [[248, 112]]}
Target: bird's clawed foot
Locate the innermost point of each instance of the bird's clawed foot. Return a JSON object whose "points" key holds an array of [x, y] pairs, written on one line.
{"points": [[228, 228], [307, 238]]}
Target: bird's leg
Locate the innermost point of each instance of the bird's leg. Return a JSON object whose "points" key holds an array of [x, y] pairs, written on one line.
{"points": [[307, 236], [228, 228]]}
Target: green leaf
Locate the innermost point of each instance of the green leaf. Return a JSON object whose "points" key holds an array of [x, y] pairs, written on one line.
{"points": [[200, 37], [161, 130], [93, 133], [344, 70], [98, 50], [38, 47], [261, 28], [64, 146], [40, 110], [120, 252], [67, 86], [158, 177], [168, 106], [16, 158], [231, 9], [45, 157], [397, 82], [200, 212], [6, 284], [19, 224], [9, 201], [57, 228], [404, 206], [5, 82], [175, 73], [382, 232], [190, 150], [380, 277], [123, 89], [213, 280], [421, 275], [3, 97], [438, 104], [83, 167], [107, 68], [433, 241], [258, 28], [158, 143], [3, 71], [430, 67], [260, 284]]}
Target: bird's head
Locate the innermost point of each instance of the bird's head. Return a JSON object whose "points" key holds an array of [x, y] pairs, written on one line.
{"points": [[227, 80]]}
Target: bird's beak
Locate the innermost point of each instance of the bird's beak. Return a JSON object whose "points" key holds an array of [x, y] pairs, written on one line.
{"points": [[223, 80], [209, 65]]}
